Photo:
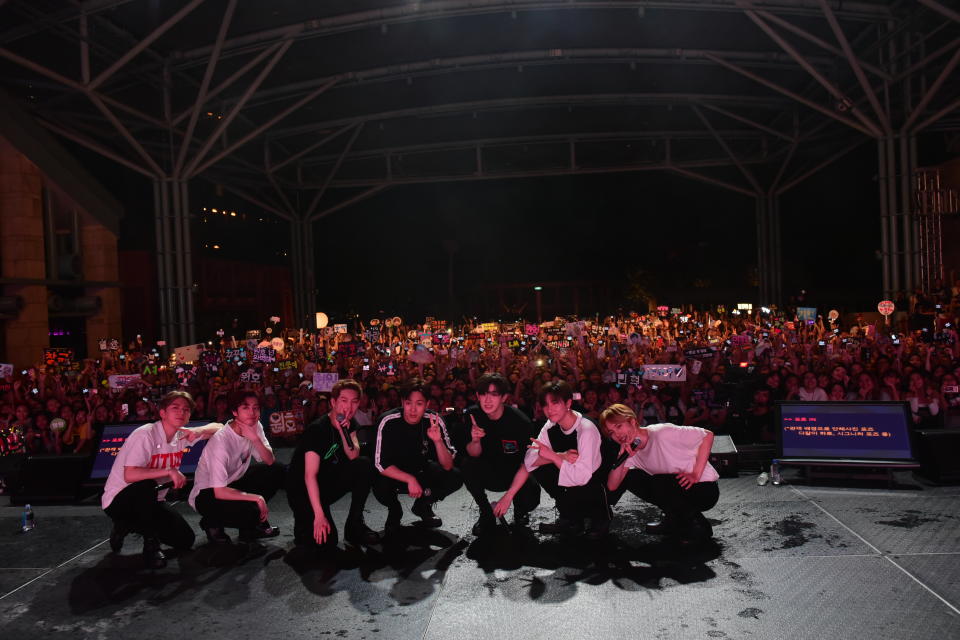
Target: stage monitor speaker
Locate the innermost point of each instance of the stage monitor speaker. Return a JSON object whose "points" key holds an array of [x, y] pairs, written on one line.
{"points": [[724, 456], [936, 451], [50, 479]]}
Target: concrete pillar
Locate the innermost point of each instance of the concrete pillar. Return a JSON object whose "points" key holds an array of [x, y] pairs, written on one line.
{"points": [[22, 255], [98, 246]]}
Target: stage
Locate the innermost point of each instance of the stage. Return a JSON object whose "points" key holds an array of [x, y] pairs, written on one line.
{"points": [[792, 561]]}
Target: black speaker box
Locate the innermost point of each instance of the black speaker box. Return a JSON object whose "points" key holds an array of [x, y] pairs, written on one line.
{"points": [[938, 452], [50, 479], [724, 456]]}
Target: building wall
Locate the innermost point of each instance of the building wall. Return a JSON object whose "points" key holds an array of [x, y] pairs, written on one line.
{"points": [[22, 256]]}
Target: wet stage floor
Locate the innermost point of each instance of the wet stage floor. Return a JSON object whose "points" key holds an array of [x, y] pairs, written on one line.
{"points": [[791, 561]]}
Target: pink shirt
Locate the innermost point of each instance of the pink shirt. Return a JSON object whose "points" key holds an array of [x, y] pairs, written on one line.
{"points": [[672, 449]]}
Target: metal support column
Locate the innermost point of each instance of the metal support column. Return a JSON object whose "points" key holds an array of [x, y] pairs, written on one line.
{"points": [[302, 268], [763, 249], [885, 253], [774, 262]]}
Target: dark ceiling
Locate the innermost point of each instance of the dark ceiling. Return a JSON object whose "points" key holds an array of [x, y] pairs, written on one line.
{"points": [[389, 93]]}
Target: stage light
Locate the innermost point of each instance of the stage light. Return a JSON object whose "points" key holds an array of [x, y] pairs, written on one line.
{"points": [[322, 320], [538, 288]]}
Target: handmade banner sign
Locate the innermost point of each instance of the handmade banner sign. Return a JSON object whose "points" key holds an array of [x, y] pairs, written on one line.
{"points": [[702, 353], [323, 381], [264, 354], [118, 382], [665, 373]]}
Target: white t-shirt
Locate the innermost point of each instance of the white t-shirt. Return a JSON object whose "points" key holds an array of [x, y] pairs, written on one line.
{"points": [[225, 459], [817, 395], [672, 449], [588, 450], [146, 447]]}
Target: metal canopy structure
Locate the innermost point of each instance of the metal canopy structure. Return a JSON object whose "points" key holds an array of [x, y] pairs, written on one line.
{"points": [[306, 108]]}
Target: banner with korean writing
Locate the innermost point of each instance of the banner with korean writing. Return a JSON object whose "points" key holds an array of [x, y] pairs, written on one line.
{"points": [[701, 353], [55, 356], [665, 372], [264, 354], [123, 381], [324, 382], [807, 315], [285, 423]]}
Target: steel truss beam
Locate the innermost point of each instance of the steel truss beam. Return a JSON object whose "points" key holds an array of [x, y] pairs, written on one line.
{"points": [[423, 11]]}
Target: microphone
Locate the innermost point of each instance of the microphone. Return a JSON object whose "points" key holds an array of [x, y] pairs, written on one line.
{"points": [[623, 456], [349, 440]]}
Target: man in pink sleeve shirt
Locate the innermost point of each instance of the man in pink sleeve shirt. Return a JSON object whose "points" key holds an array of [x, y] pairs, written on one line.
{"points": [[665, 465], [564, 459]]}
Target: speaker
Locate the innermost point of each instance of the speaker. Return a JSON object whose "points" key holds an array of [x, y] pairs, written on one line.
{"points": [[936, 451], [50, 479], [724, 456]]}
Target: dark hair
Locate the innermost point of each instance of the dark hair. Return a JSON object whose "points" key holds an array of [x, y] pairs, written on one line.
{"points": [[496, 380], [412, 385], [559, 389], [237, 398], [346, 383], [168, 399]]}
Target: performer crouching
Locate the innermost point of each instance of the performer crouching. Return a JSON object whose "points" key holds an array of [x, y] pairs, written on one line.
{"points": [[564, 459], [326, 466], [227, 492], [665, 465], [413, 455], [150, 457]]}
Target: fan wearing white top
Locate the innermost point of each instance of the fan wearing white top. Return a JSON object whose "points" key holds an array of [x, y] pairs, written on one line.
{"points": [[227, 491], [666, 465]]}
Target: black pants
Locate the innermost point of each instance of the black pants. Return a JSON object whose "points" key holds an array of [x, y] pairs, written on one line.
{"points": [[136, 508], [262, 480], [480, 476], [438, 480], [574, 503], [664, 491], [335, 481]]}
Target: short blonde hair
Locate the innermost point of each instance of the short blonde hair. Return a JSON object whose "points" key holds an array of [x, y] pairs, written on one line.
{"points": [[616, 414]]}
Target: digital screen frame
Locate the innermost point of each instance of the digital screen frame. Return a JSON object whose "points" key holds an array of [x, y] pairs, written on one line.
{"points": [[113, 437], [844, 431]]}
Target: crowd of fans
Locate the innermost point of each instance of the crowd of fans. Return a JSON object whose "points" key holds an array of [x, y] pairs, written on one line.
{"points": [[735, 365]]}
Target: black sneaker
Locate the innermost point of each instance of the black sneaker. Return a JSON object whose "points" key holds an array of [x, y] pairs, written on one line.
{"points": [[117, 534], [262, 530], [562, 526], [424, 510], [598, 531], [697, 529], [153, 557], [216, 535], [358, 533], [668, 525], [486, 525]]}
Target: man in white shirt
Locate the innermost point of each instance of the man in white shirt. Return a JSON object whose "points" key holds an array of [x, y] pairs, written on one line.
{"points": [[564, 459], [226, 491], [666, 465], [150, 458]]}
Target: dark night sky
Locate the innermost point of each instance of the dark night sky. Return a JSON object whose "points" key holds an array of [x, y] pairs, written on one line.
{"points": [[388, 251], [593, 227]]}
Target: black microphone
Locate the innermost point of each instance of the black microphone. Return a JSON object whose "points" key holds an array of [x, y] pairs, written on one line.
{"points": [[165, 485], [623, 456], [349, 440]]}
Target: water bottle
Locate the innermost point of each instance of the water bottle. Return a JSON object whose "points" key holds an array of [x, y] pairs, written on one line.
{"points": [[27, 520], [775, 473], [763, 478]]}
